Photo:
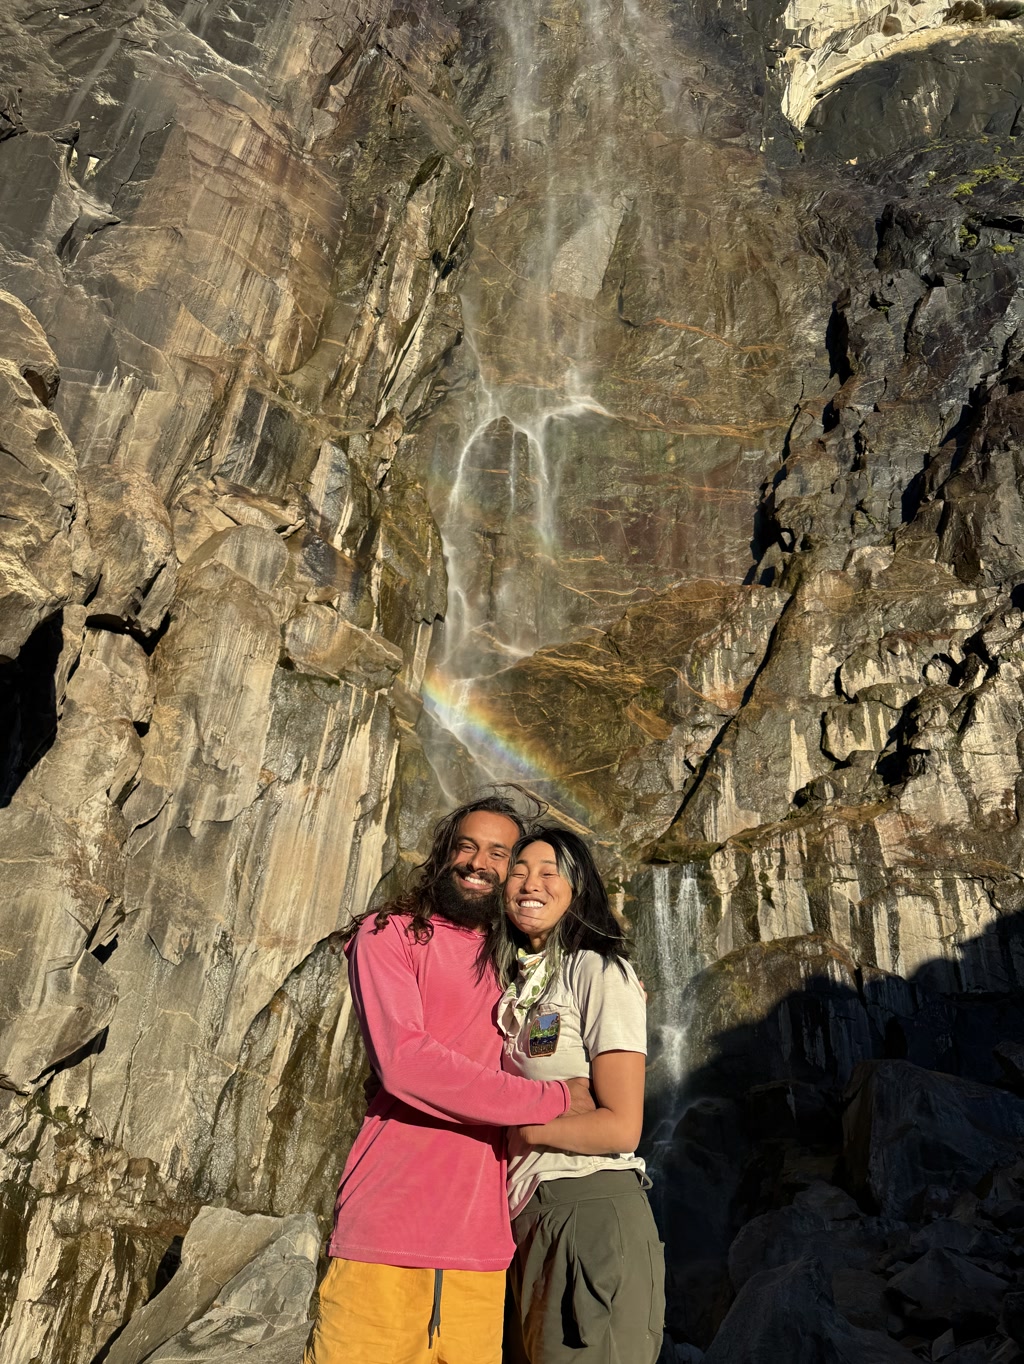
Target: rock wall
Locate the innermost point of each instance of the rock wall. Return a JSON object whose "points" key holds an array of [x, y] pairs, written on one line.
{"points": [[636, 384], [227, 243]]}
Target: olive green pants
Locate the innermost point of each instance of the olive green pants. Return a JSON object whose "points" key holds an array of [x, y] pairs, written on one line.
{"points": [[588, 1278]]}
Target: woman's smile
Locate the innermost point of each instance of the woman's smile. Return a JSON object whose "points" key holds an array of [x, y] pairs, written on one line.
{"points": [[536, 893]]}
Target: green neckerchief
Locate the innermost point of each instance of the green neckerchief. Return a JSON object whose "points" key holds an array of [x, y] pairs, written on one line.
{"points": [[535, 972]]}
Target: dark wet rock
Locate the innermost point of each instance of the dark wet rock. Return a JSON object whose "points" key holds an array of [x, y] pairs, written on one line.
{"points": [[915, 1023], [1002, 1198], [789, 1313], [947, 1289], [914, 1138], [992, 1349], [963, 1235], [822, 1222], [981, 1028], [792, 1108], [860, 1298], [640, 706], [849, 122], [698, 1173], [1010, 1056], [1011, 1317]]}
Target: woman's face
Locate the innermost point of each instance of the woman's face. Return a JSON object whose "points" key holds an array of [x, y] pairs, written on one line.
{"points": [[536, 893]]}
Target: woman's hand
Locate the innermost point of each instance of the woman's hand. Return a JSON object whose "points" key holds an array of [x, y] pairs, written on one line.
{"points": [[614, 1126]]}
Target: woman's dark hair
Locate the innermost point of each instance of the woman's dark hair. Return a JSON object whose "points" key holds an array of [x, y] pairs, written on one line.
{"points": [[587, 925], [420, 901]]}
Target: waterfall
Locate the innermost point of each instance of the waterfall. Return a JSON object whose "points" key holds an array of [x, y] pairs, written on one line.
{"points": [[670, 942], [558, 161], [676, 924]]}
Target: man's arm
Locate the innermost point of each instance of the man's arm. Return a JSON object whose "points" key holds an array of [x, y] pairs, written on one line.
{"points": [[414, 1067]]}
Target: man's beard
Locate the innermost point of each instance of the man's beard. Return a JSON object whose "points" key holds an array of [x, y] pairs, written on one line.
{"points": [[468, 911]]}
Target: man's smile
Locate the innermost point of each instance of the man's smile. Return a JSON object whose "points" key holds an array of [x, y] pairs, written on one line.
{"points": [[475, 882]]}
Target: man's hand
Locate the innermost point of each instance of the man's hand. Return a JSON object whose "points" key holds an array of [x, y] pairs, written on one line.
{"points": [[579, 1090], [582, 1103]]}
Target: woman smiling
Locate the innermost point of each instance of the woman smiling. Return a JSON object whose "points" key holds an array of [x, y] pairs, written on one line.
{"points": [[585, 1236]]}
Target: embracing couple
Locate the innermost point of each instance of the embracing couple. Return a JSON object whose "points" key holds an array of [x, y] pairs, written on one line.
{"points": [[508, 1033]]}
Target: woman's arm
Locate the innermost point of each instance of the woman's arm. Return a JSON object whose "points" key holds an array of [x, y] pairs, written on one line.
{"points": [[617, 1079]]}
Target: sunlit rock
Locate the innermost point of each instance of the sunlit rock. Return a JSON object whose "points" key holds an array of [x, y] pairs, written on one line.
{"points": [[621, 398]]}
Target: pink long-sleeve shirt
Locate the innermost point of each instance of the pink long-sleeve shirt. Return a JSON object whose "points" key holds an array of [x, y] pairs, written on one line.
{"points": [[424, 1183]]}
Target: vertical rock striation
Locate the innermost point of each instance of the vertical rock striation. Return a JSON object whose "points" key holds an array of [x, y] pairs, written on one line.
{"points": [[229, 245], [638, 386]]}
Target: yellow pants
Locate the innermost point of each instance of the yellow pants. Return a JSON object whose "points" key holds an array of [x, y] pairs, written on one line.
{"points": [[380, 1314]]}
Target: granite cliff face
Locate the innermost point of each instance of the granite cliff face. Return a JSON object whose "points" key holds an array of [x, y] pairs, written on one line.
{"points": [[622, 397]]}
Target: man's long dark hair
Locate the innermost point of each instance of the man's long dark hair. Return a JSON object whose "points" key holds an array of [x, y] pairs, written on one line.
{"points": [[587, 925], [421, 901]]}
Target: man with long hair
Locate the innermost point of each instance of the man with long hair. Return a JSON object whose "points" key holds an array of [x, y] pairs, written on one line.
{"points": [[421, 1236]]}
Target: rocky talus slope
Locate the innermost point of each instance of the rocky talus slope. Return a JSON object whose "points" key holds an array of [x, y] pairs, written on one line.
{"points": [[649, 377]]}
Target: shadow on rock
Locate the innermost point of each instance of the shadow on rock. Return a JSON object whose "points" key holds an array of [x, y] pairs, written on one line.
{"points": [[841, 1162]]}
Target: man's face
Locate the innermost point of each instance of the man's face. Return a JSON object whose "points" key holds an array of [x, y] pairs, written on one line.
{"points": [[479, 864]]}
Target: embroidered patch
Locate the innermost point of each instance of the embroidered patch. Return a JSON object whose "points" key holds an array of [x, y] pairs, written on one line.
{"points": [[544, 1034]]}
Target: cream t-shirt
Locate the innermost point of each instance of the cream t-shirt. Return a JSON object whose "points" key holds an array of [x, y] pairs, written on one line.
{"points": [[589, 1006]]}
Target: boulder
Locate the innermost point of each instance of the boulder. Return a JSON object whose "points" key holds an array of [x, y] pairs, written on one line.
{"points": [[1003, 1198], [961, 1234], [1010, 1056], [697, 1175], [260, 1315], [943, 1288], [914, 1138], [781, 1010], [994, 1349], [241, 1281], [1012, 1316], [860, 1298], [823, 1222], [788, 1314]]}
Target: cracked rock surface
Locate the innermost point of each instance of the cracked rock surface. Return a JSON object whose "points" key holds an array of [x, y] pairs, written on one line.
{"points": [[265, 271]]}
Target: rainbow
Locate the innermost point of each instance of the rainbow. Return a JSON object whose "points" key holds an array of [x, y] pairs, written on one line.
{"points": [[504, 754]]}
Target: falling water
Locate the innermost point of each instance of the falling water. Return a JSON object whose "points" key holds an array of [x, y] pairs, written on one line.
{"points": [[674, 949], [671, 943], [558, 162], [676, 923], [477, 627]]}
